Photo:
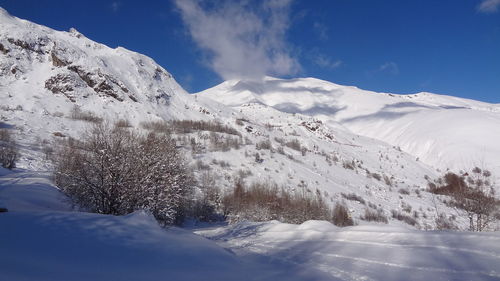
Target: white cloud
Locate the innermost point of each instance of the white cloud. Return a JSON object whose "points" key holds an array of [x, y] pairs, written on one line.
{"points": [[326, 62], [390, 67], [242, 40], [321, 30], [115, 6], [489, 6]]}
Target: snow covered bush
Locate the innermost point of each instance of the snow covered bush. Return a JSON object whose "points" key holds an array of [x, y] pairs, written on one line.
{"points": [[404, 218], [188, 126], [78, 114], [114, 171], [8, 150], [341, 216], [444, 223], [207, 206], [473, 192], [354, 197], [374, 215]]}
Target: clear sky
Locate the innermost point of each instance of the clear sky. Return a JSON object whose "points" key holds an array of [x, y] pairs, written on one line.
{"points": [[441, 46]]}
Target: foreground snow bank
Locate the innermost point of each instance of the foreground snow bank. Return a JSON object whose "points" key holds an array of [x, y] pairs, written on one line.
{"points": [[42, 238], [370, 252], [82, 246]]}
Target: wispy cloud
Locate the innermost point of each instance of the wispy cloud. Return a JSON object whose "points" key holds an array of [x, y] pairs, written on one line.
{"points": [[325, 61], [489, 6], [321, 30], [390, 67], [115, 5], [242, 39]]}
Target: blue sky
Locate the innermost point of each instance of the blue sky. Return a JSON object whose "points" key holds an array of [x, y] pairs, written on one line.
{"points": [[441, 46]]}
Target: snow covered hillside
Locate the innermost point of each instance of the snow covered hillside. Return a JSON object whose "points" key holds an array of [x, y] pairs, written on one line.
{"points": [[43, 238], [442, 131], [367, 252], [374, 153], [44, 74], [296, 133]]}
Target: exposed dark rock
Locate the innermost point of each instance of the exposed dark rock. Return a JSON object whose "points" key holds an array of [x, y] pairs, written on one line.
{"points": [[33, 47], [56, 61], [3, 49], [101, 83], [63, 84]]}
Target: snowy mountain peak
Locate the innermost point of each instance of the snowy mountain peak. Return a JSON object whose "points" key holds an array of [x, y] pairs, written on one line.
{"points": [[66, 69], [443, 131]]}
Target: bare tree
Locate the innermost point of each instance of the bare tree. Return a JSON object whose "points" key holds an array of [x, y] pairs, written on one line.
{"points": [[8, 149], [471, 192], [113, 171]]}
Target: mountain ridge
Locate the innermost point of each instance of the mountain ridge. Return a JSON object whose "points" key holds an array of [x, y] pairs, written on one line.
{"points": [[459, 127]]}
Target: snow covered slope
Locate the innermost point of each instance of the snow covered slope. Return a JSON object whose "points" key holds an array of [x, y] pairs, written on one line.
{"points": [[43, 239], [442, 131], [46, 73], [48, 77], [367, 252]]}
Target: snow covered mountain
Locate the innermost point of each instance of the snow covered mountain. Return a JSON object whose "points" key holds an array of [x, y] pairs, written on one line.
{"points": [[303, 134], [46, 71], [442, 131]]}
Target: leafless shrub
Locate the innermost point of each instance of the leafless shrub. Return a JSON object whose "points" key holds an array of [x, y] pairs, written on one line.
{"points": [[374, 215], [387, 180], [293, 144], [269, 126], [341, 216], [188, 126], [201, 166], [406, 207], [8, 150], [472, 192], [78, 114], [348, 165], [123, 123], [265, 144], [113, 171], [244, 173], [404, 191], [267, 201], [376, 176], [58, 114], [353, 197], [59, 134], [444, 223], [157, 126], [207, 208], [239, 122], [405, 218], [221, 142], [47, 150], [221, 163], [372, 205], [280, 150], [281, 141]]}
